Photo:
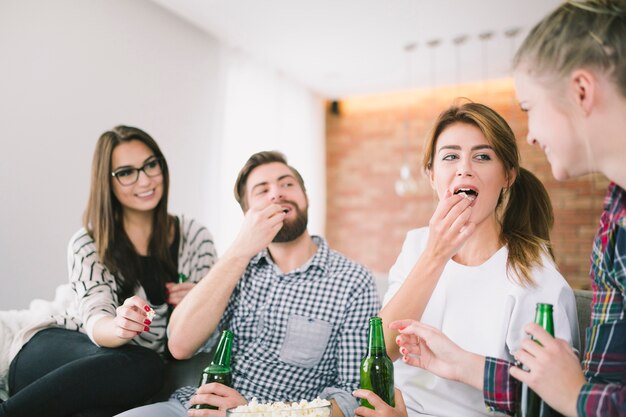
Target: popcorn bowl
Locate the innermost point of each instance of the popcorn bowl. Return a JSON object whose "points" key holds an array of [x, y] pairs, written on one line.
{"points": [[315, 408]]}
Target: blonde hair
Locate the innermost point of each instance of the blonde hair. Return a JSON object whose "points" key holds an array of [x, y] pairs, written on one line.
{"points": [[579, 34], [527, 217]]}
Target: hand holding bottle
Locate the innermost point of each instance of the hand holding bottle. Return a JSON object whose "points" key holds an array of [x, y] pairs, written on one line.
{"points": [[217, 395], [381, 408], [176, 292], [555, 373]]}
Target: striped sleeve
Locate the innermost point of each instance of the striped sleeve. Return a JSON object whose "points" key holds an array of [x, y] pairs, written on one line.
{"points": [[92, 283], [197, 253]]}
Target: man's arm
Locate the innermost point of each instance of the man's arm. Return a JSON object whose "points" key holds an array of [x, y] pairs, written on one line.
{"points": [[352, 344], [196, 317]]}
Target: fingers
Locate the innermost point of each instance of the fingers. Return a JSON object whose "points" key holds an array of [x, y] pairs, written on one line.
{"points": [[371, 398], [216, 388], [539, 334], [269, 212], [365, 412], [400, 405], [259, 228], [450, 226], [176, 292], [132, 317], [449, 209], [217, 395]]}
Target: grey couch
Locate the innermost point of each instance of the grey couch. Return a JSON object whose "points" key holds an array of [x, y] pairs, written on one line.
{"points": [[183, 373]]}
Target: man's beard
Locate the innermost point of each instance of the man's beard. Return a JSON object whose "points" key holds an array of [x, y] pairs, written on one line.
{"points": [[293, 229]]}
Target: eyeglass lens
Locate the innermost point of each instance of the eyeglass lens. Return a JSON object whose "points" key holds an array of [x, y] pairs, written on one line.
{"points": [[129, 176]]}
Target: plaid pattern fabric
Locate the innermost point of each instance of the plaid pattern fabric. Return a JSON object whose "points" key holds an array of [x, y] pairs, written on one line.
{"points": [[604, 361], [499, 388], [298, 335]]}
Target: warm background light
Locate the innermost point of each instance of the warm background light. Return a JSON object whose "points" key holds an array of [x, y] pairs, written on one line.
{"points": [[368, 221]]}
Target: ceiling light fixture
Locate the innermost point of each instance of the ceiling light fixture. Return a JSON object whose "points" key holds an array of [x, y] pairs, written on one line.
{"points": [[406, 184]]}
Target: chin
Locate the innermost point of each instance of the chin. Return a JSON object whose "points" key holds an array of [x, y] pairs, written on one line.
{"points": [[560, 174]]}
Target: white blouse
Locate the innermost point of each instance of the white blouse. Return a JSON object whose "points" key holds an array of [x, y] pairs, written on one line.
{"points": [[483, 311]]}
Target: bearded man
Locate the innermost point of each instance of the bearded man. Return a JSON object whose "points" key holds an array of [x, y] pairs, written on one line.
{"points": [[299, 310]]}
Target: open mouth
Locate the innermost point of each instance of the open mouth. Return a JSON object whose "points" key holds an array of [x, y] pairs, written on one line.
{"points": [[468, 193]]}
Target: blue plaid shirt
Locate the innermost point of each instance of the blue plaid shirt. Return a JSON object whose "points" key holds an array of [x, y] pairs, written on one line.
{"points": [[302, 334]]}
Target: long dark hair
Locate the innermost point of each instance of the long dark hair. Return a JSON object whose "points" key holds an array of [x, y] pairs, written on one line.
{"points": [[103, 215], [528, 216]]}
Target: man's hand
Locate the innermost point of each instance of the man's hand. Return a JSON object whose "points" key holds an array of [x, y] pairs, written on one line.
{"points": [[217, 395], [381, 408], [425, 347], [261, 224], [555, 373]]}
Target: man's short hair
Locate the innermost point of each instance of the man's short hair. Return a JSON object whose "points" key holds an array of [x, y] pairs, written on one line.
{"points": [[256, 160]]}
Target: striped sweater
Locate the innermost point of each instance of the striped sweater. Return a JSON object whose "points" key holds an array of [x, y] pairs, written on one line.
{"points": [[95, 288]]}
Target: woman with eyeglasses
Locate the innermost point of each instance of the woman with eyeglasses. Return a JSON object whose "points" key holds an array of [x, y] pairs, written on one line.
{"points": [[104, 355]]}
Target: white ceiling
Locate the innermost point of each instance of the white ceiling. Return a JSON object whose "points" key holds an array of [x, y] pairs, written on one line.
{"points": [[340, 48]]}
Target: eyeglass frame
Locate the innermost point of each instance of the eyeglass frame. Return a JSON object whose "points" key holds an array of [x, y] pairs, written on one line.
{"points": [[157, 159]]}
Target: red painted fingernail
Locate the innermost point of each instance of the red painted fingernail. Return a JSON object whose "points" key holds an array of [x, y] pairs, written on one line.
{"points": [[146, 321], [403, 327], [403, 351], [397, 342], [146, 328], [147, 308], [138, 332]]}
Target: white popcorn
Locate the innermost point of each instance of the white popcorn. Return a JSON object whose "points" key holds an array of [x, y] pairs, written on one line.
{"points": [[150, 314], [316, 408]]}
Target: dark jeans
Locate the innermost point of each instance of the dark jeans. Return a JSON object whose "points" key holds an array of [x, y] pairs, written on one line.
{"points": [[61, 373]]}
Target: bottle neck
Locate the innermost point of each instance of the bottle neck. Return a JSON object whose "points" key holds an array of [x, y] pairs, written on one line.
{"points": [[543, 317], [376, 343], [224, 347]]}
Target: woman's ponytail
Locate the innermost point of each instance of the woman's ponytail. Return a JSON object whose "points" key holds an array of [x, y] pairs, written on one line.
{"points": [[526, 223]]}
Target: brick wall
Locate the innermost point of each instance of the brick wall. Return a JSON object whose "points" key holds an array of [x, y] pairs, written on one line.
{"points": [[367, 221]]}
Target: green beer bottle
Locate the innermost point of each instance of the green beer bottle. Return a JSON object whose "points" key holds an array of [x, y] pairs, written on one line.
{"points": [[219, 368], [376, 366], [530, 404]]}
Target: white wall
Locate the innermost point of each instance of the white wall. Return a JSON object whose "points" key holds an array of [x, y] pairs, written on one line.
{"points": [[263, 110], [70, 69]]}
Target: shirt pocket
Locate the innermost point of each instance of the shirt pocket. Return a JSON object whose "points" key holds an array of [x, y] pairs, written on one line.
{"points": [[305, 341]]}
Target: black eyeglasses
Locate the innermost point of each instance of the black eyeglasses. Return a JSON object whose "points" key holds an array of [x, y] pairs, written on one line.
{"points": [[129, 176]]}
